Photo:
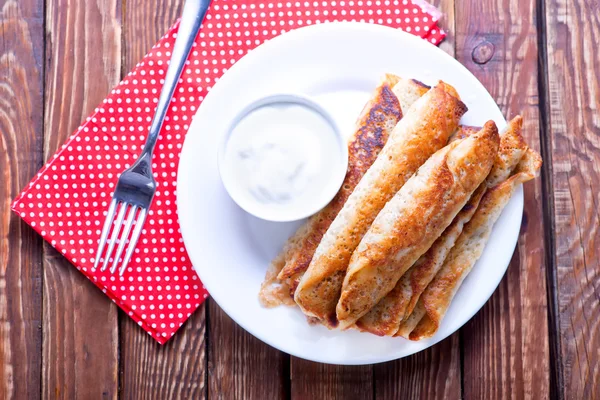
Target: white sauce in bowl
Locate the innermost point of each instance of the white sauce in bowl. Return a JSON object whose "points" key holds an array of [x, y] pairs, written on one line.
{"points": [[284, 159]]}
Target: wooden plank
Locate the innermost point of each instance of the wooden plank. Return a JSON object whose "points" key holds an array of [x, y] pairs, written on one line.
{"points": [[21, 138], [241, 366], [573, 93], [505, 347], [176, 370], [434, 372], [143, 24], [430, 374], [324, 381], [446, 22], [311, 380], [149, 370], [83, 58]]}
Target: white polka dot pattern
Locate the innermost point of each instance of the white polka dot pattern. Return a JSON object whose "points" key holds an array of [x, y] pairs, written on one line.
{"points": [[67, 201]]}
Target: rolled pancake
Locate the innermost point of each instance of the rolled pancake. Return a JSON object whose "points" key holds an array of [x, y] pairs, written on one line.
{"points": [[376, 121], [423, 130], [460, 261], [411, 222], [386, 316]]}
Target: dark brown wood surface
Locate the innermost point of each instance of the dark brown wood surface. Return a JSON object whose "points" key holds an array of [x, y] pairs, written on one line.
{"points": [[21, 138], [505, 346], [537, 337], [80, 356], [572, 127]]}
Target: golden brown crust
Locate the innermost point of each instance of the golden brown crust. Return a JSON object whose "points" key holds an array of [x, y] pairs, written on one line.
{"points": [[423, 130], [464, 131], [384, 319], [469, 247], [433, 259], [449, 89], [512, 149], [415, 217]]}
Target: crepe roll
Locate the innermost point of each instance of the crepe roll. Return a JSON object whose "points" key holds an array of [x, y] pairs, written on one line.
{"points": [[439, 294], [377, 120], [386, 317], [413, 219], [424, 129]]}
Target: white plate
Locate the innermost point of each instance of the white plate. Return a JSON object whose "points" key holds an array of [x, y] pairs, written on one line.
{"points": [[340, 64]]}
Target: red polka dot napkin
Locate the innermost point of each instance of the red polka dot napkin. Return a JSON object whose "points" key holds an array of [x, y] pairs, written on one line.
{"points": [[66, 202]]}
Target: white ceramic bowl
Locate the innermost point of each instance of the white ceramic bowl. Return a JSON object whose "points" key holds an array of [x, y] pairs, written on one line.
{"points": [[285, 213]]}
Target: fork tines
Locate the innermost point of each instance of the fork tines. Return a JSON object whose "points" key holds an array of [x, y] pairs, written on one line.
{"points": [[124, 229]]}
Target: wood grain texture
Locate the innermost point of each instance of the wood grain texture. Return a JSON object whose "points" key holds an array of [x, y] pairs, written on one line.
{"points": [[144, 23], [80, 325], [573, 93], [148, 370], [310, 380], [21, 138], [434, 373], [65, 342], [239, 365], [446, 22], [505, 346], [431, 374], [175, 370]]}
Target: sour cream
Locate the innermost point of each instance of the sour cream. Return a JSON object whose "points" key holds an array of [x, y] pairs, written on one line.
{"points": [[283, 159]]}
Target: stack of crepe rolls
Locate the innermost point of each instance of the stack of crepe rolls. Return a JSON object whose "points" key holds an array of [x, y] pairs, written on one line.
{"points": [[411, 222], [420, 195], [435, 300], [390, 100], [424, 129], [385, 318]]}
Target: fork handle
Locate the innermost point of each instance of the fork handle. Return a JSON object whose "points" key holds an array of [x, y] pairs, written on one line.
{"points": [[191, 19]]}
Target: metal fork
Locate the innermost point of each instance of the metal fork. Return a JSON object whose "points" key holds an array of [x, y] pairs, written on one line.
{"points": [[136, 185]]}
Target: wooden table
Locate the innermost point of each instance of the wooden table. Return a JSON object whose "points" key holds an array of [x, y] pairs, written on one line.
{"points": [[537, 337]]}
